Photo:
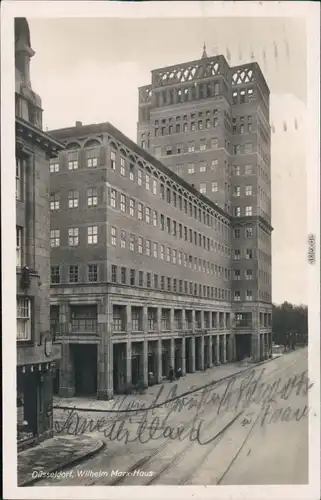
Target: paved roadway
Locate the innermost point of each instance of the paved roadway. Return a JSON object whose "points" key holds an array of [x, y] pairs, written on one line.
{"points": [[258, 417]]}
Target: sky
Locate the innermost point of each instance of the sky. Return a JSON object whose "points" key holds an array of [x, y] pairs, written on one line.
{"points": [[89, 70]]}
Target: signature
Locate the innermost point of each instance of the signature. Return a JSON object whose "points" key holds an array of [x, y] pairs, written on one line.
{"points": [[234, 395]]}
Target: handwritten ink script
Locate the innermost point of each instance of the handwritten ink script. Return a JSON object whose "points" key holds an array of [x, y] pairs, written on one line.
{"points": [[236, 395]]}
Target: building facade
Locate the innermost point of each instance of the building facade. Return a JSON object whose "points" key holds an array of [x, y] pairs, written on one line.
{"points": [[209, 123], [35, 353], [141, 268]]}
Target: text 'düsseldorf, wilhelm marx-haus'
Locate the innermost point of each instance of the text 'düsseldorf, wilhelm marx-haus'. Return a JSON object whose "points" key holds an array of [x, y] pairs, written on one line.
{"points": [[164, 261]]}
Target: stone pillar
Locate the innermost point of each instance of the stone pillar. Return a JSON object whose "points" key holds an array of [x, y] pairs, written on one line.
{"points": [[224, 349], [202, 350], [105, 389], [171, 319], [129, 318], [202, 320], [193, 320], [159, 374], [145, 320], [172, 353], [128, 362], [210, 357], [66, 375], [217, 349], [192, 354], [145, 362], [231, 344], [183, 356]]}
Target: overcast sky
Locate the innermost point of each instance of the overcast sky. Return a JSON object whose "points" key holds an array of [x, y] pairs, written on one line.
{"points": [[89, 70]]}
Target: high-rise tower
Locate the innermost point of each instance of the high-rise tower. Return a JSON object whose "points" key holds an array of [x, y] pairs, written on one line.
{"points": [[209, 123]]}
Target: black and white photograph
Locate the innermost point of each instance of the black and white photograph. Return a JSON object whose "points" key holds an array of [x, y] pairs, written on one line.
{"points": [[160, 180]]}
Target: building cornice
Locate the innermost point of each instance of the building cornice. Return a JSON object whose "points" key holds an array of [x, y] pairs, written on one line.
{"points": [[25, 130]]}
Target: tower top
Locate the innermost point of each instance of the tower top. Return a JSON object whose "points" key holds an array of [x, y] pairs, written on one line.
{"points": [[204, 55]]}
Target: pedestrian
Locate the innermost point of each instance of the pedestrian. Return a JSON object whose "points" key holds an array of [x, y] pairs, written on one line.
{"points": [[179, 373], [171, 374]]}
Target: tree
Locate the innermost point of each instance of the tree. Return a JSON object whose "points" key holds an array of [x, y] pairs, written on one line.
{"points": [[289, 324]]}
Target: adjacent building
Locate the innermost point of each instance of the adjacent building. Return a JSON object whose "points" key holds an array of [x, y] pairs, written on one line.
{"points": [[209, 123], [35, 353]]}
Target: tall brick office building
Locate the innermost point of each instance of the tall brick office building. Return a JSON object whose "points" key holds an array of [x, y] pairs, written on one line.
{"points": [[209, 123], [146, 271], [35, 353]]}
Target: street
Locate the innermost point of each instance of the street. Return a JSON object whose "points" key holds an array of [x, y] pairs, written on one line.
{"points": [[251, 428]]}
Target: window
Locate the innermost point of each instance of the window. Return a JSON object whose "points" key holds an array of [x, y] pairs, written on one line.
{"points": [[249, 232], [248, 274], [113, 234], [237, 211], [23, 319], [237, 233], [147, 248], [191, 169], [249, 254], [132, 242], [122, 166], [236, 191], [54, 238], [248, 210], [214, 186], [155, 283], [54, 166], [214, 143], [147, 182], [122, 239], [193, 126], [154, 186], [207, 123], [19, 246], [140, 244], [248, 169], [73, 236], [131, 172], [140, 278], [249, 127], [123, 275], [237, 170], [155, 248], [148, 280], [202, 166], [131, 207], [19, 164], [92, 273], [92, 235], [236, 254], [113, 160], [237, 295], [191, 147], [113, 198], [139, 177], [168, 254], [122, 203], [168, 150], [73, 160], [92, 157], [147, 215], [248, 148], [73, 274], [203, 188], [248, 190], [168, 225], [55, 274], [132, 278], [154, 218], [248, 295], [214, 164], [162, 252], [237, 274], [140, 211], [114, 274], [92, 197], [179, 148], [202, 144], [73, 199]]}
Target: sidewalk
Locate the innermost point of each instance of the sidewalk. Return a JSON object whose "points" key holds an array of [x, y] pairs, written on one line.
{"points": [[186, 383], [53, 455]]}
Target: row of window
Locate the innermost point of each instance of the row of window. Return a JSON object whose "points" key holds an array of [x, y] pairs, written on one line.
{"points": [[73, 199], [192, 92], [136, 209], [154, 249], [73, 274], [92, 160], [73, 236], [131, 277]]}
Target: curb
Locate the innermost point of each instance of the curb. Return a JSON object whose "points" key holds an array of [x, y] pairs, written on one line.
{"points": [[96, 410], [100, 446]]}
